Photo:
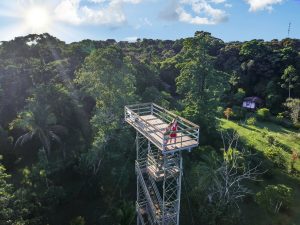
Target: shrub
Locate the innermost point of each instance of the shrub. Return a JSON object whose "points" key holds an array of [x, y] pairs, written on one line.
{"points": [[282, 122], [279, 116], [238, 112], [265, 165], [274, 197], [271, 140], [265, 132], [220, 111], [275, 154], [297, 125], [263, 114], [228, 113], [294, 158], [251, 121]]}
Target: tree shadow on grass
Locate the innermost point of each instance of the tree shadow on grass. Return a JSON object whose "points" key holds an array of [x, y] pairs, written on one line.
{"points": [[273, 127]]}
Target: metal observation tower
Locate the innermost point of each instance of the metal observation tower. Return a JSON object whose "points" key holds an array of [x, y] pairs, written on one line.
{"points": [[159, 164]]}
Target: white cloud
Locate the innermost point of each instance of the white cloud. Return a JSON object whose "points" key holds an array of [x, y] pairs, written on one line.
{"points": [[218, 1], [143, 22], [67, 11], [106, 12], [203, 12], [131, 39], [256, 5]]}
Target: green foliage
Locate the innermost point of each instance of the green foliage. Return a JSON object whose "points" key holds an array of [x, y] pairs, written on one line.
{"points": [[152, 94], [254, 49], [275, 154], [107, 76], [6, 193], [273, 95], [37, 120], [239, 96], [274, 197], [79, 220], [263, 114], [200, 84], [279, 116], [83, 87], [294, 109], [126, 213], [251, 121], [239, 112], [228, 113], [289, 79]]}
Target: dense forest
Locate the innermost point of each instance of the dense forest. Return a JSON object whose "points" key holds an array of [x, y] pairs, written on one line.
{"points": [[67, 156]]}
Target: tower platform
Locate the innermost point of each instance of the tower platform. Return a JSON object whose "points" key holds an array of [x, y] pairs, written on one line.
{"points": [[151, 121]]}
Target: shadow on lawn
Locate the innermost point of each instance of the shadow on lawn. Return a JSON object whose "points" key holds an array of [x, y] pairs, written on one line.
{"points": [[272, 127]]}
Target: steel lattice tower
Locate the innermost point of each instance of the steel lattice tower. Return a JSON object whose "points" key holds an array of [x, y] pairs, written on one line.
{"points": [[159, 164]]}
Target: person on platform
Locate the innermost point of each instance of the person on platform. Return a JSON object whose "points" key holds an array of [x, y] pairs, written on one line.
{"points": [[170, 133]]}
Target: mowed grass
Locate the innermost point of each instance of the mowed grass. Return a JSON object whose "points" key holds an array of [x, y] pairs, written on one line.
{"points": [[254, 135]]}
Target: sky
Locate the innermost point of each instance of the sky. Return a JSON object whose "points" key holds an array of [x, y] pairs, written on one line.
{"points": [[75, 20]]}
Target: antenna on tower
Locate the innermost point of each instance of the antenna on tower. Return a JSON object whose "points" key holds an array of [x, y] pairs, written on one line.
{"points": [[289, 29]]}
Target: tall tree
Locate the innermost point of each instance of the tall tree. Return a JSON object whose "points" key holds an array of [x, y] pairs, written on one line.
{"points": [[289, 79], [293, 104], [108, 76], [200, 84], [38, 121]]}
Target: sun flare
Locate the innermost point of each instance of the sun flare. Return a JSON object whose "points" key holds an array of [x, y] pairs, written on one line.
{"points": [[37, 19]]}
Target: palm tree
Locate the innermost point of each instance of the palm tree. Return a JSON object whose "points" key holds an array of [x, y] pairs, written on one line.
{"points": [[38, 122], [126, 213]]}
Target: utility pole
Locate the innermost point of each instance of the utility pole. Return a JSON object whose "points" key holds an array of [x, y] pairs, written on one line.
{"points": [[289, 29]]}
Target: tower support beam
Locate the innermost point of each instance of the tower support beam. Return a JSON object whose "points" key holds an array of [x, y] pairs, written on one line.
{"points": [[158, 163]]}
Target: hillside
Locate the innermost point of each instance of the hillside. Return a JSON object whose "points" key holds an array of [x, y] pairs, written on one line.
{"points": [[257, 136]]}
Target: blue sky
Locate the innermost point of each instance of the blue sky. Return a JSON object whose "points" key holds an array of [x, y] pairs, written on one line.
{"points": [[74, 20]]}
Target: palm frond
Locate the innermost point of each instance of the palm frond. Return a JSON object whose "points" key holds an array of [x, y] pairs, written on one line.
{"points": [[44, 138], [55, 136], [23, 138]]}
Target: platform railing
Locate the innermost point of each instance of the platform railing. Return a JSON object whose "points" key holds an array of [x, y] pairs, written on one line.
{"points": [[187, 131], [135, 119]]}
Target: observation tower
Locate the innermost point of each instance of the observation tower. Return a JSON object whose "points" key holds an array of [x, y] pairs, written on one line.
{"points": [[158, 163]]}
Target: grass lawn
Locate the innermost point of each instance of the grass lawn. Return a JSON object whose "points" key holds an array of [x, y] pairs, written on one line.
{"points": [[253, 135]]}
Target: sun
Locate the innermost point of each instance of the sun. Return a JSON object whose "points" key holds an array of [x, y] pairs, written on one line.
{"points": [[37, 19]]}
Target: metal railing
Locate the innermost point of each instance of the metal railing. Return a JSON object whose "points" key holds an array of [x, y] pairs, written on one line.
{"points": [[153, 209], [187, 134]]}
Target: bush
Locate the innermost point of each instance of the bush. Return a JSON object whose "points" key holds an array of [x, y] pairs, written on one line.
{"points": [[297, 125], [271, 140], [220, 111], [282, 122], [228, 113], [275, 154], [264, 165], [274, 197], [263, 114], [279, 116], [251, 121], [238, 112]]}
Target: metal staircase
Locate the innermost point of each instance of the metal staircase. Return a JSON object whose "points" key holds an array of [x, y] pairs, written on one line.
{"points": [[158, 165]]}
